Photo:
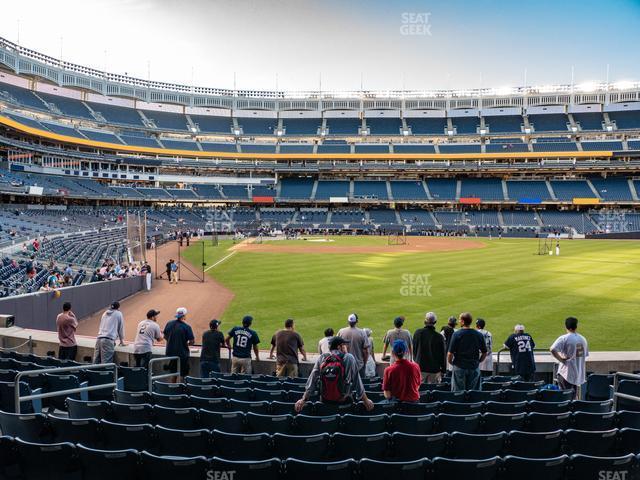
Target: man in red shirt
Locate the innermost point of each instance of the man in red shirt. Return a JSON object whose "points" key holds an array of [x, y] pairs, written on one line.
{"points": [[402, 379]]}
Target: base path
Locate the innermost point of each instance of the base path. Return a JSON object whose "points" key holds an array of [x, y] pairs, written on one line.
{"points": [[413, 245], [204, 301]]}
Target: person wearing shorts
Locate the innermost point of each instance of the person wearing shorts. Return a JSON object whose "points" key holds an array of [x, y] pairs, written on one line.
{"points": [[244, 340]]}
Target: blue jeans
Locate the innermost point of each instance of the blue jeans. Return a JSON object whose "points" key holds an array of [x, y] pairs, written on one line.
{"points": [[207, 366], [465, 379]]}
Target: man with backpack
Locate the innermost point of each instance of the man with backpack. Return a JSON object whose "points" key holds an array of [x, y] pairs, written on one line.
{"points": [[335, 376]]}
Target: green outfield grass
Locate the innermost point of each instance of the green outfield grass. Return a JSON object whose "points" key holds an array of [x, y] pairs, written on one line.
{"points": [[505, 283]]}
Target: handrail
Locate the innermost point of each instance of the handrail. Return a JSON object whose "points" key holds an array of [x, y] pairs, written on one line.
{"points": [[11, 349], [19, 375], [153, 377], [625, 396], [496, 367]]}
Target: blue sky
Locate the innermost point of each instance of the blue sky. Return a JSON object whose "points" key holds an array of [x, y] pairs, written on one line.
{"points": [[453, 43]]}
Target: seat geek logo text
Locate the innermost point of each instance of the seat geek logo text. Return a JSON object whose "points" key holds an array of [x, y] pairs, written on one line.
{"points": [[415, 23], [221, 474], [415, 285]]}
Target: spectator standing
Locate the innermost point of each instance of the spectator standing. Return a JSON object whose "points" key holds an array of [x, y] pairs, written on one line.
{"points": [[147, 333], [401, 380], [357, 342], [370, 366], [287, 343], [430, 351], [466, 350], [168, 269], [571, 350], [179, 337], [521, 346], [447, 332], [323, 344], [66, 324], [111, 328], [212, 340], [174, 272], [486, 366], [244, 340], [336, 377], [397, 333], [146, 268]]}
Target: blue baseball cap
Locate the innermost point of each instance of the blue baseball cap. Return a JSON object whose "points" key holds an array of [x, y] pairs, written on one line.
{"points": [[399, 347]]}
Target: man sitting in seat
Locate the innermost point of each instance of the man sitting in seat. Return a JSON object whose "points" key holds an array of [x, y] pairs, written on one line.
{"points": [[335, 375], [402, 378]]}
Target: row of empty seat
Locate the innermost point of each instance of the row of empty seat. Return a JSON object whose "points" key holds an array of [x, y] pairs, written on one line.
{"points": [[69, 461]]}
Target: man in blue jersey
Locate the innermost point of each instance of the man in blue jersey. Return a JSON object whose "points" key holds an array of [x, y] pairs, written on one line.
{"points": [[521, 345], [244, 340]]}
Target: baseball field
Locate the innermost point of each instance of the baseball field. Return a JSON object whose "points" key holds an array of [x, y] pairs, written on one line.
{"points": [[319, 281]]}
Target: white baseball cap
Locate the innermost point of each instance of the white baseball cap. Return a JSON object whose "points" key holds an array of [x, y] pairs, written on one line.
{"points": [[519, 328], [353, 318], [181, 312]]}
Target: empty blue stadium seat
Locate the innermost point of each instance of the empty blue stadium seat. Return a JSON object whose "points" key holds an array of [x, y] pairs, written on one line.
{"points": [[427, 126]]}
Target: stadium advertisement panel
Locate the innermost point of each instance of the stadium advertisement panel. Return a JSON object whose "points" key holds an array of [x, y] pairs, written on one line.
{"points": [[530, 201], [585, 201]]}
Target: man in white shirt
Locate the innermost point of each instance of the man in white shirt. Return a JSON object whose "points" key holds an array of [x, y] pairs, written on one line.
{"points": [[323, 344], [571, 350], [486, 366], [148, 332]]}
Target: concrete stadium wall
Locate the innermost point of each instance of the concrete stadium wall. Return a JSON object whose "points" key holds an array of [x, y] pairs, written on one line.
{"points": [[614, 236], [39, 310]]}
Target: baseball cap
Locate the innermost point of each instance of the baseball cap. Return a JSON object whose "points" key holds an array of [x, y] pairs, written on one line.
{"points": [[335, 342], [152, 313], [353, 318], [519, 328], [115, 305], [247, 320], [399, 347], [214, 323], [398, 321], [181, 312]]}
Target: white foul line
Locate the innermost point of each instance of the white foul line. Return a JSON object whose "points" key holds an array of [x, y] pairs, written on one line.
{"points": [[219, 261]]}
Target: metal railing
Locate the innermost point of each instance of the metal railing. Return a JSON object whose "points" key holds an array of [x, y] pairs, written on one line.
{"points": [[496, 367], [155, 361], [37, 396], [624, 396], [29, 342]]}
